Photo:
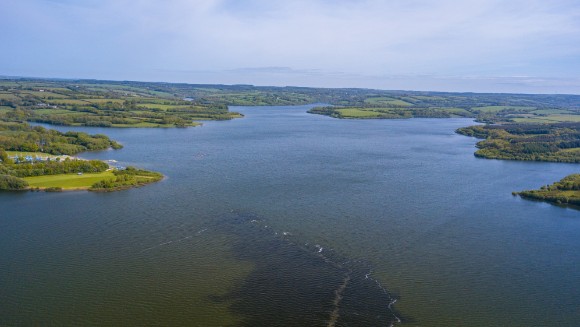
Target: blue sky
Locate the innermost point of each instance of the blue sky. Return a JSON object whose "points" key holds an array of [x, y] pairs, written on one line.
{"points": [[529, 46]]}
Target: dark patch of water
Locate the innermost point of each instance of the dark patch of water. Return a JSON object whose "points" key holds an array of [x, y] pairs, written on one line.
{"points": [[296, 284]]}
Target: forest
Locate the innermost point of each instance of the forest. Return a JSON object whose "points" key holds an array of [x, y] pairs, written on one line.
{"points": [[559, 142], [566, 191], [26, 138]]}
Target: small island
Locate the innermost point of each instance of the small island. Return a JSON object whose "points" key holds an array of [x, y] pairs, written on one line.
{"points": [[35, 158], [564, 192]]}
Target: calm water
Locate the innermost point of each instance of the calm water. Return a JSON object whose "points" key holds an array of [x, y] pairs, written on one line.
{"points": [[289, 219]]}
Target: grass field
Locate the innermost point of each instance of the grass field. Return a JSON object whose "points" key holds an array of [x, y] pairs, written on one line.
{"points": [[68, 181], [44, 95], [67, 101], [55, 89], [381, 101], [54, 112], [455, 111], [422, 97], [500, 108], [549, 119], [551, 112], [8, 96], [358, 113], [157, 106], [155, 100], [104, 100]]}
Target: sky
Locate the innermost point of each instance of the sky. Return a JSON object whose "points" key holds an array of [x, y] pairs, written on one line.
{"points": [[522, 46]]}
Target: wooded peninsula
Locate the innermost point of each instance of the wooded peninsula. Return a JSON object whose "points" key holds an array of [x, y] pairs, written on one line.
{"points": [[517, 126], [35, 158]]}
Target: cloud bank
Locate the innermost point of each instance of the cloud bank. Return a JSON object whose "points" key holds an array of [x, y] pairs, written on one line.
{"points": [[367, 43]]}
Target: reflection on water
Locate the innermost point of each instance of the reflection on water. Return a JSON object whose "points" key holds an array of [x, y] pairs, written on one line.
{"points": [[284, 218]]}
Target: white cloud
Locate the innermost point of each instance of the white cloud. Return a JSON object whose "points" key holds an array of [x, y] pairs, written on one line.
{"points": [[367, 37]]}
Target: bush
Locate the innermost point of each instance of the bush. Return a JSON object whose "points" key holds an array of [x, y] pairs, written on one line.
{"points": [[12, 183]]}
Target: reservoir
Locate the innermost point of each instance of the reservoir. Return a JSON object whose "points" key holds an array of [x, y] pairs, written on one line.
{"points": [[284, 218]]}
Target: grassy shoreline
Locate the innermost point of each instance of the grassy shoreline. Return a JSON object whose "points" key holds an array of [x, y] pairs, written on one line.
{"points": [[67, 182], [107, 181]]}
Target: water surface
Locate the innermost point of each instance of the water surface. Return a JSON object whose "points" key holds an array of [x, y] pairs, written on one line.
{"points": [[262, 220]]}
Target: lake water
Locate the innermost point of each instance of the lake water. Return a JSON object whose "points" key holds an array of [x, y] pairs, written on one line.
{"points": [[283, 218]]}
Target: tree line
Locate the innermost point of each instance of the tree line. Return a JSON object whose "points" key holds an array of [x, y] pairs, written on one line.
{"points": [[566, 191], [546, 142], [25, 138]]}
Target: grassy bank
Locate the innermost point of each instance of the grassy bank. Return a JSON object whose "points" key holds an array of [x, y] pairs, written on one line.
{"points": [[107, 181], [68, 181]]}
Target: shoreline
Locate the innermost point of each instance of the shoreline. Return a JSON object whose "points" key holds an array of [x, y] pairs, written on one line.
{"points": [[143, 181]]}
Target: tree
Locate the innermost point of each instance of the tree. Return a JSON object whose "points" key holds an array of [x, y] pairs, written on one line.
{"points": [[4, 157]]}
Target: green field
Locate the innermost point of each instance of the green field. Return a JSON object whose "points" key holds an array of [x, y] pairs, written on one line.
{"points": [[551, 112], [115, 104], [8, 96], [358, 113], [390, 113], [386, 101], [68, 181], [501, 108], [45, 94], [104, 100], [54, 112], [455, 111], [68, 101], [158, 106], [561, 118]]}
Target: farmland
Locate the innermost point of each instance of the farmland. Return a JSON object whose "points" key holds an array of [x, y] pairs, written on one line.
{"points": [[103, 105]]}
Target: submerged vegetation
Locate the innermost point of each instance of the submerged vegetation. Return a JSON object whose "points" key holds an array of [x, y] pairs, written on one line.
{"points": [[566, 191]]}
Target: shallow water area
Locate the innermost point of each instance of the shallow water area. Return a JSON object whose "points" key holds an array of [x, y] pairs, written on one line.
{"points": [[276, 211]]}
